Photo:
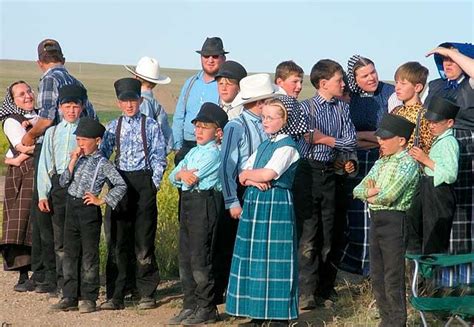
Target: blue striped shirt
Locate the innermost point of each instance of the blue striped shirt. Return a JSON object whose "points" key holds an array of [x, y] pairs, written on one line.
{"points": [[330, 118], [242, 136]]}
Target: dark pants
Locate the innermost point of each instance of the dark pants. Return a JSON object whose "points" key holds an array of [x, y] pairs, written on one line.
{"points": [[314, 196], [197, 227], [387, 265], [81, 240], [132, 225], [187, 146], [43, 262]]}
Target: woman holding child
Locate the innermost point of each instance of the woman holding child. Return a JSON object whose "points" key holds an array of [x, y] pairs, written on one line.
{"points": [[17, 113]]}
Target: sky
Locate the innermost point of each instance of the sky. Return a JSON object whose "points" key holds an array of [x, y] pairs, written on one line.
{"points": [[258, 34]]}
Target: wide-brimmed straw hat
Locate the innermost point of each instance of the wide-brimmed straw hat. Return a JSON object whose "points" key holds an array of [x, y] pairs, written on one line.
{"points": [[255, 87], [149, 70]]}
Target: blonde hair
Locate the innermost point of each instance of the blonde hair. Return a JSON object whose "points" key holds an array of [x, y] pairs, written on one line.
{"points": [[277, 103], [413, 72]]}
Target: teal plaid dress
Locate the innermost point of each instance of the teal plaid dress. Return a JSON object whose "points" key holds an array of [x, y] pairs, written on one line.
{"points": [[263, 281]]}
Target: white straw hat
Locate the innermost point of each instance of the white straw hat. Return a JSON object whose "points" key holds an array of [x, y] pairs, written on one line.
{"points": [[255, 87], [149, 69]]}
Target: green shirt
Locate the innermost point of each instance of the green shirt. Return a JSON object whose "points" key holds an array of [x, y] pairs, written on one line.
{"points": [[445, 154], [397, 177]]}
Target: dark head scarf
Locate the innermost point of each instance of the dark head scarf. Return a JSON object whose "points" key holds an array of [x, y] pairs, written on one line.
{"points": [[9, 107], [351, 78]]}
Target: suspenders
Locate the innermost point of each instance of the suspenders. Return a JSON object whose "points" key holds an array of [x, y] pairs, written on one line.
{"points": [[143, 133]]}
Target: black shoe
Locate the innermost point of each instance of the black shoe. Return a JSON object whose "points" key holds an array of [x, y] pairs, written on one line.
{"points": [[201, 316], [65, 304], [25, 286], [307, 302], [87, 306], [112, 304], [146, 303], [45, 288], [182, 315]]}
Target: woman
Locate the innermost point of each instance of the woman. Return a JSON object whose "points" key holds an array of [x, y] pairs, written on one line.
{"points": [[370, 99], [17, 108]]}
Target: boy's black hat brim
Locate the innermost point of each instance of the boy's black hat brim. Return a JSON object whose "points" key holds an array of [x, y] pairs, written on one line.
{"points": [[384, 134], [76, 100], [128, 96], [433, 116]]}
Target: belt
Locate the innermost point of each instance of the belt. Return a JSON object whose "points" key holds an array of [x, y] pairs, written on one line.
{"points": [[200, 192], [320, 165]]}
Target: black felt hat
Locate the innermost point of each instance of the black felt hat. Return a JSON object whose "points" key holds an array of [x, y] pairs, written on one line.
{"points": [[394, 125], [90, 128], [231, 69], [441, 109], [72, 93], [212, 46], [128, 89], [211, 113]]}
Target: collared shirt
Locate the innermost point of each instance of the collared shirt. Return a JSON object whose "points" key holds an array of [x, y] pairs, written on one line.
{"points": [[445, 154], [242, 136], [330, 118], [206, 159], [397, 177], [232, 112], [132, 154], [59, 141], [199, 93], [90, 174], [153, 109]]}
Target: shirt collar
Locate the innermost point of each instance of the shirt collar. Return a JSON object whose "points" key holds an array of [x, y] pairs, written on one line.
{"points": [[446, 133], [147, 93], [319, 99], [65, 123], [128, 119], [397, 155], [252, 115], [207, 145], [200, 76], [56, 67]]}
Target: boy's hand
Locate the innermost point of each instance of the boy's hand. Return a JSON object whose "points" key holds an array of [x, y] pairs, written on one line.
{"points": [[349, 167], [418, 155], [187, 176], [90, 198], [25, 124], [235, 212], [372, 190], [338, 164], [76, 153], [43, 205], [316, 137]]}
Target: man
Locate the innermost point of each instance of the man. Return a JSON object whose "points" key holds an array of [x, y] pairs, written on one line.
{"points": [[197, 89]]}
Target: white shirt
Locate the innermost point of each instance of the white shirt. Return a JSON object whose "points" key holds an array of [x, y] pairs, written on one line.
{"points": [[15, 132]]}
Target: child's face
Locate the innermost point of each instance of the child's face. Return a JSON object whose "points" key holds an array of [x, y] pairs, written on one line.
{"points": [[367, 78], [405, 90], [391, 145], [23, 96], [292, 85], [205, 132], [88, 145], [451, 69], [227, 89], [130, 107], [439, 127], [71, 111], [272, 119], [333, 87]]}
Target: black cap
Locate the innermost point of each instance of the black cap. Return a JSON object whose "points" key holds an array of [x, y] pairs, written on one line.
{"points": [[440, 109], [394, 125], [212, 46], [231, 69], [211, 113], [90, 128], [128, 89], [72, 93], [48, 48]]}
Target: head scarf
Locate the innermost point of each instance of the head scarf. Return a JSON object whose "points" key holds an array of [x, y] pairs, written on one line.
{"points": [[466, 49], [351, 78], [9, 107]]}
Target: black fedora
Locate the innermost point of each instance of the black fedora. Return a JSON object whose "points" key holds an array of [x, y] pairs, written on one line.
{"points": [[212, 46]]}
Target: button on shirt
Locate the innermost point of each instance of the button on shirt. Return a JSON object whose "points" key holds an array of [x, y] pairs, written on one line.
{"points": [[206, 159], [330, 118], [445, 154], [82, 179], [199, 93], [59, 141], [132, 154]]}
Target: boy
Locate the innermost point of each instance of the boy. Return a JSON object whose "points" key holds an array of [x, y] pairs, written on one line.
{"points": [[228, 78], [440, 168], [85, 176], [140, 158], [58, 142], [388, 188], [147, 72], [197, 176], [315, 186]]}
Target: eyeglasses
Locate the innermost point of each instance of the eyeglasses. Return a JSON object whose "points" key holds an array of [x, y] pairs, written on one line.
{"points": [[23, 94], [211, 56], [270, 118]]}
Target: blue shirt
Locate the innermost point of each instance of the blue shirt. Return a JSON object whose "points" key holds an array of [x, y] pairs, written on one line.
{"points": [[206, 159], [199, 93], [153, 109], [132, 154], [330, 118], [242, 136], [58, 143]]}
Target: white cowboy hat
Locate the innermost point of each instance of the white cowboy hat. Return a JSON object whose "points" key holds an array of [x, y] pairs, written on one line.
{"points": [[149, 69], [255, 87]]}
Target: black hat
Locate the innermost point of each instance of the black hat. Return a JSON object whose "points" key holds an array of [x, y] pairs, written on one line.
{"points": [[440, 109], [128, 88], [90, 128], [72, 93], [212, 46], [232, 69], [394, 125], [211, 113]]}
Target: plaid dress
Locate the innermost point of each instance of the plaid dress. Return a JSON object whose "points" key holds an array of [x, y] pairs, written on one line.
{"points": [[264, 279]]}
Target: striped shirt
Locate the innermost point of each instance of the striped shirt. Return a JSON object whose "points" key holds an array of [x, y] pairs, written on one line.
{"points": [[330, 118]]}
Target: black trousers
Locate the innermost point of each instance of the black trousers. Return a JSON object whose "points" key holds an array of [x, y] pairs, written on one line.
{"points": [[130, 233], [187, 146], [81, 247], [387, 265], [197, 227], [314, 196], [43, 261]]}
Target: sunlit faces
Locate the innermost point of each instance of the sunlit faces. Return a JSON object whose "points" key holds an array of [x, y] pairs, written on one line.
{"points": [[333, 87], [211, 64], [205, 132], [272, 118], [71, 111], [391, 145], [451, 69], [439, 127], [227, 88], [130, 107], [367, 78], [23, 96], [87, 145], [292, 85], [405, 90]]}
